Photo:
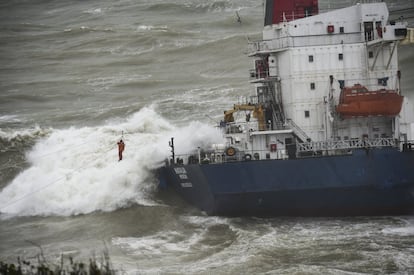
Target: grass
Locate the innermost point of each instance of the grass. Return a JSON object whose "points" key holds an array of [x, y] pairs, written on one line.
{"points": [[40, 266]]}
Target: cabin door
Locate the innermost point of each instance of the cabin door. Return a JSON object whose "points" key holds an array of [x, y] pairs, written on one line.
{"points": [[369, 31], [262, 69]]}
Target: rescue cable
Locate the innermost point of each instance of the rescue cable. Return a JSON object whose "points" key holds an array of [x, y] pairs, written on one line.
{"points": [[47, 185], [55, 181]]}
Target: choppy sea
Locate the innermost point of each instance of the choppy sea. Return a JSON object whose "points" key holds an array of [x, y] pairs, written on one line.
{"points": [[75, 76]]}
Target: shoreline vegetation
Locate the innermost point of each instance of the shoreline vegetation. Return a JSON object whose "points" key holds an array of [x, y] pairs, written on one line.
{"points": [[66, 265]]}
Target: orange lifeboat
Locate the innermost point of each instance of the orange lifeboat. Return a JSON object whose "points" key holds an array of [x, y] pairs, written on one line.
{"points": [[359, 101]]}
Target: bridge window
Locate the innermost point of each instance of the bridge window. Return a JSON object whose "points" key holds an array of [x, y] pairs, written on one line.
{"points": [[307, 113], [341, 56], [310, 58]]}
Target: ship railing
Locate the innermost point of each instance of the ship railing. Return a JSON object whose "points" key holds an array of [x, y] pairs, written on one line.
{"points": [[314, 148], [334, 145], [261, 77], [222, 156], [266, 46], [366, 1], [256, 75], [283, 43], [240, 127]]}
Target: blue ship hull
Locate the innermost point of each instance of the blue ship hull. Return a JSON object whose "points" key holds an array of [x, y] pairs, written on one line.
{"points": [[367, 182]]}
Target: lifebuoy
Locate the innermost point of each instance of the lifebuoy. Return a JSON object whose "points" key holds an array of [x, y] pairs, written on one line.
{"points": [[230, 151], [247, 157]]}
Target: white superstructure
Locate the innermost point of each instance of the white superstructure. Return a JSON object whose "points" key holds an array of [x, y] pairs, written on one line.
{"points": [[301, 66], [325, 84]]}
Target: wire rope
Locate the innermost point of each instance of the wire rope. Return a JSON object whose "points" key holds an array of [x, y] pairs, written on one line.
{"points": [[49, 184]]}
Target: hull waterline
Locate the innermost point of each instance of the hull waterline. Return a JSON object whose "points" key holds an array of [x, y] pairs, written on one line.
{"points": [[368, 182]]}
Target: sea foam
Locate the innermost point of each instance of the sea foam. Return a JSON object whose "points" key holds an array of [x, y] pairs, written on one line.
{"points": [[76, 170]]}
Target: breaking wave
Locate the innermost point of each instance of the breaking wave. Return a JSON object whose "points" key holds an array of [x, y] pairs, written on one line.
{"points": [[22, 139], [76, 170]]}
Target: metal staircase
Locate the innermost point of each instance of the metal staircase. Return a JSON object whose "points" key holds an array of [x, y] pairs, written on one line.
{"points": [[277, 106], [300, 134]]}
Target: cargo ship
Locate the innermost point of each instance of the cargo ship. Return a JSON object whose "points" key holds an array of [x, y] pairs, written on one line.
{"points": [[327, 131]]}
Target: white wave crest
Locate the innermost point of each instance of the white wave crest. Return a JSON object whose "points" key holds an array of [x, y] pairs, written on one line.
{"points": [[19, 135], [76, 170]]}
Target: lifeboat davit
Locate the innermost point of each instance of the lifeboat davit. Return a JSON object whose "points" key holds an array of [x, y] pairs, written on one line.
{"points": [[359, 101]]}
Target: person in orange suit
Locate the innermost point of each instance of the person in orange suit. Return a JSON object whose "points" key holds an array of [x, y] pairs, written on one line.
{"points": [[121, 148]]}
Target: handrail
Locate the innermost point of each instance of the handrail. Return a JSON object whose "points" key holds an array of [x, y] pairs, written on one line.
{"points": [[330, 145], [282, 43], [316, 148], [217, 157], [297, 130]]}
